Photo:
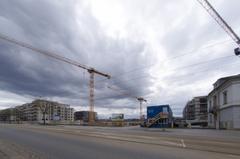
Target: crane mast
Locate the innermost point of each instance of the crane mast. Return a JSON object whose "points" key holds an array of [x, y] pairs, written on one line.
{"points": [[141, 117], [140, 99], [223, 24], [90, 70]]}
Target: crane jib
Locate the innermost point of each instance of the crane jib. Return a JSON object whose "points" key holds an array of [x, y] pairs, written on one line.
{"points": [[66, 60], [222, 23]]}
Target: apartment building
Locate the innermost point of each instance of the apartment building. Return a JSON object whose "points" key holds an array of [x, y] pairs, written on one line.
{"points": [[195, 112], [42, 110], [224, 103]]}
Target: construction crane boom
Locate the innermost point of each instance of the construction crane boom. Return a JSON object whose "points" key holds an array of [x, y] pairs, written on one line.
{"points": [[52, 55], [91, 70], [217, 17]]}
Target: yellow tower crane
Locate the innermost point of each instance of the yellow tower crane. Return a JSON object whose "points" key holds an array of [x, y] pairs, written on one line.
{"points": [[90, 70]]}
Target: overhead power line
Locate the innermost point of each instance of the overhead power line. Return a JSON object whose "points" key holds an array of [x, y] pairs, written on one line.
{"points": [[125, 92], [177, 68], [167, 60]]}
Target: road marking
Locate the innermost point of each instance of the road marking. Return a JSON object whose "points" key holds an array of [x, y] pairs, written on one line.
{"points": [[58, 129], [134, 138], [146, 137], [233, 156], [171, 143], [183, 144]]}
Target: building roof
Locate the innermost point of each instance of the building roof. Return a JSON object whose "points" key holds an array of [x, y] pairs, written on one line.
{"points": [[227, 78], [224, 80], [164, 105], [199, 97]]}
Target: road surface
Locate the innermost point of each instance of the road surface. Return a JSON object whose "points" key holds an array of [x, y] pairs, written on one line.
{"points": [[74, 142]]}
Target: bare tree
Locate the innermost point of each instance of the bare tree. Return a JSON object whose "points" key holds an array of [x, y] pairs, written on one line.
{"points": [[44, 107]]}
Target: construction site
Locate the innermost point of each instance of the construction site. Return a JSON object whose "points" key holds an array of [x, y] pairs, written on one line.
{"points": [[158, 116], [119, 79]]}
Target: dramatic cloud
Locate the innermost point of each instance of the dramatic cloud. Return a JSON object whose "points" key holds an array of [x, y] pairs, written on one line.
{"points": [[165, 51]]}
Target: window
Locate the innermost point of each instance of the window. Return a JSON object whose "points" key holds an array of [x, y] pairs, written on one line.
{"points": [[225, 97], [210, 118], [165, 109], [214, 101]]}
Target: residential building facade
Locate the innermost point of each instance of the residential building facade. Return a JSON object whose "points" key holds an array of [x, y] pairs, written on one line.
{"points": [[224, 103], [196, 111], [42, 110]]}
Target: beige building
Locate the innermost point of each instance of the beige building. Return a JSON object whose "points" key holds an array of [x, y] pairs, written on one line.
{"points": [[39, 110]]}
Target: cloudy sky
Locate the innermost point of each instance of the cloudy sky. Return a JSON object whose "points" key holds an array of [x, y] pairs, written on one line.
{"points": [[165, 51]]}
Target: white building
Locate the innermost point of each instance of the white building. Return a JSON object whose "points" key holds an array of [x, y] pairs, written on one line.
{"points": [[224, 103]]}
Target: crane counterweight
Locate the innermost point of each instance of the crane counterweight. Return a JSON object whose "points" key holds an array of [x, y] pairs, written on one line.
{"points": [[237, 51]]}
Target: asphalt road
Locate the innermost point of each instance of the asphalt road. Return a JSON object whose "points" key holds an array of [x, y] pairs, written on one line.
{"points": [[58, 142]]}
